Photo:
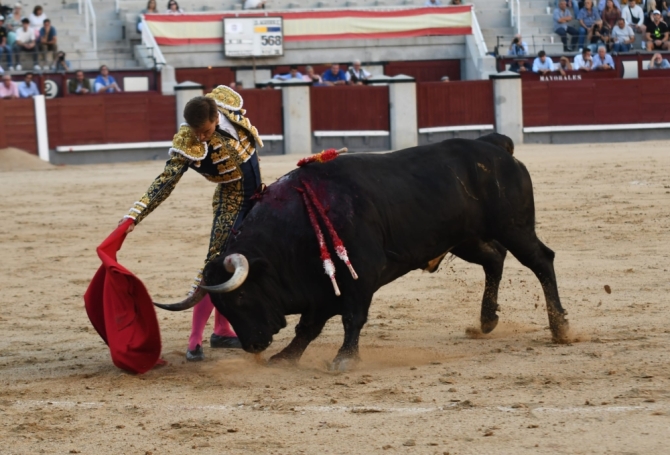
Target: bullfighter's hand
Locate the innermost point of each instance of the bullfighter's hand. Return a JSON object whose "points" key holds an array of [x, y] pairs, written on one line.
{"points": [[130, 228]]}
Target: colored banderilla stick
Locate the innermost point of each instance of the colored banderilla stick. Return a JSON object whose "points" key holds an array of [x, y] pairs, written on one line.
{"points": [[328, 265], [337, 242]]}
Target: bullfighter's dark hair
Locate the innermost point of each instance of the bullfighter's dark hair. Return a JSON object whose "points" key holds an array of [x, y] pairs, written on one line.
{"points": [[200, 110]]}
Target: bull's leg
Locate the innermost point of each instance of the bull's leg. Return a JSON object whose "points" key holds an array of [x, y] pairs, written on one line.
{"points": [[491, 256], [305, 332], [354, 318], [535, 255]]}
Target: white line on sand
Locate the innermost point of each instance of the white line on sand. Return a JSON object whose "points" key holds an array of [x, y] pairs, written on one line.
{"points": [[352, 409]]}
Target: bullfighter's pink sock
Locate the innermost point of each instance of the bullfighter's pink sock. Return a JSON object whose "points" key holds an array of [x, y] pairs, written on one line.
{"points": [[201, 313], [222, 326]]}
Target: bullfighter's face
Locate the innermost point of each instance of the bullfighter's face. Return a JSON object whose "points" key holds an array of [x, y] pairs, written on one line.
{"points": [[205, 132]]}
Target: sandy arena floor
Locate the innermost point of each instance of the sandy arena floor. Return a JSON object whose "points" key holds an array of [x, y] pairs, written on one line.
{"points": [[423, 387]]}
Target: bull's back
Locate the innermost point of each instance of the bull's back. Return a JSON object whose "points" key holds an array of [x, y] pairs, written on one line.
{"points": [[418, 201]]}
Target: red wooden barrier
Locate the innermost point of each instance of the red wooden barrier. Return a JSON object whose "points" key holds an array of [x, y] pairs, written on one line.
{"points": [[264, 109], [209, 77], [349, 108], [570, 75], [595, 102], [426, 70], [113, 118], [455, 103], [17, 124]]}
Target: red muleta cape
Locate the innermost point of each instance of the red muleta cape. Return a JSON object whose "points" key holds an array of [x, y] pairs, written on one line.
{"points": [[122, 311]]}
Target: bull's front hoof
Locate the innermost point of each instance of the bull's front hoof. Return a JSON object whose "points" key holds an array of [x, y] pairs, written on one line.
{"points": [[488, 326], [282, 361], [560, 331], [342, 365]]}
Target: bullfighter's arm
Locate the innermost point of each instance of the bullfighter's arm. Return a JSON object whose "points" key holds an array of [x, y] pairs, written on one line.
{"points": [[160, 189]]}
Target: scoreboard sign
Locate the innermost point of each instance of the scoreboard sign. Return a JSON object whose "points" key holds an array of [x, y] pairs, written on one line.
{"points": [[253, 36]]}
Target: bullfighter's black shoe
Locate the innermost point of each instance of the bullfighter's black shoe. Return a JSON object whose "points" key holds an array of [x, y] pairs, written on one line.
{"points": [[217, 341], [195, 355]]}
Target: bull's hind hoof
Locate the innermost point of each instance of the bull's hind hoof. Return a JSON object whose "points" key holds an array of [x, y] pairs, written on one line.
{"points": [[342, 365], [488, 326]]}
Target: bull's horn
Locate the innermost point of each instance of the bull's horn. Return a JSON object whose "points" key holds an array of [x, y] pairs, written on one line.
{"points": [[236, 264], [189, 302]]}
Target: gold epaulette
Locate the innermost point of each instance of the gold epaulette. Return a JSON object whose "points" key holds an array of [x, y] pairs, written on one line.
{"points": [[186, 144], [240, 120]]}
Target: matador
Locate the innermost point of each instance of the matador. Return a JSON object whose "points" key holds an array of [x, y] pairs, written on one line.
{"points": [[218, 142]]}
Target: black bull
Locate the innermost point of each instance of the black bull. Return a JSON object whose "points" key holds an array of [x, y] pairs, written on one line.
{"points": [[395, 213]]}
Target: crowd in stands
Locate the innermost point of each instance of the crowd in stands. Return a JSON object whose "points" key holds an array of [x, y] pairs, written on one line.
{"points": [[30, 38], [355, 75], [612, 23]]}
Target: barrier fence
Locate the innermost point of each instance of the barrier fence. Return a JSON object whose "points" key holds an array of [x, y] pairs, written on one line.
{"points": [[108, 119], [455, 103], [17, 124], [349, 108], [595, 102]]}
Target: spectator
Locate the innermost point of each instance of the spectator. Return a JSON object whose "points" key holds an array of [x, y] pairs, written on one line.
{"points": [[334, 76], [602, 60], [518, 47], [444, 79], [105, 83], [583, 61], [623, 36], [657, 33], [150, 9], [48, 43], [520, 66], [432, 3], [634, 16], [543, 64], [588, 17], [356, 75], [14, 20], [173, 7], [564, 65], [602, 4], [611, 14], [27, 87], [239, 85], [563, 16], [232, 85], [601, 36], [80, 85], [62, 65], [312, 77], [658, 63], [254, 4], [4, 47], [25, 44], [37, 20], [456, 2], [293, 73], [8, 89]]}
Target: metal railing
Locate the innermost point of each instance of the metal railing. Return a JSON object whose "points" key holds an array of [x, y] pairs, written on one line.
{"points": [[150, 43], [89, 20], [477, 34], [515, 14]]}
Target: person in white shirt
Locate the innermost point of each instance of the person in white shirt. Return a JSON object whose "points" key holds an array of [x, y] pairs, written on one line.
{"points": [[623, 36], [634, 16], [254, 4], [173, 7], [583, 61], [37, 20], [542, 64], [356, 75], [25, 43]]}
